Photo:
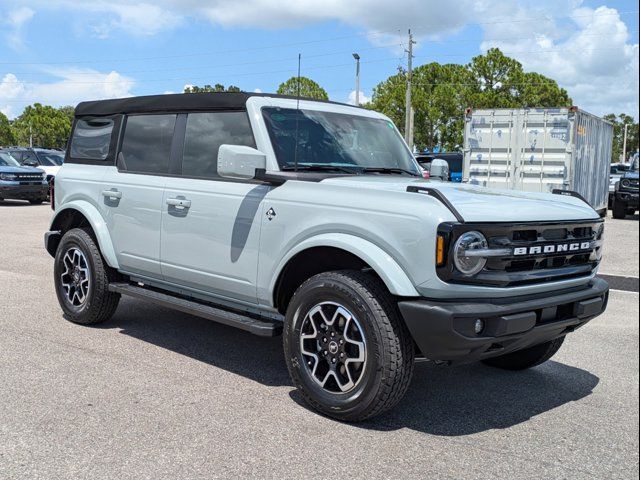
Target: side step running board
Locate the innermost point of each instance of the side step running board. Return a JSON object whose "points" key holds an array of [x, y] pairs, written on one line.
{"points": [[263, 328]]}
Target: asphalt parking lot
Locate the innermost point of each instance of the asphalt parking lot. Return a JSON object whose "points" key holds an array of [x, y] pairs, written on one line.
{"points": [[159, 394]]}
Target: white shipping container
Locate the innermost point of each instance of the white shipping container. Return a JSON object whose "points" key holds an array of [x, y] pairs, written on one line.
{"points": [[539, 150]]}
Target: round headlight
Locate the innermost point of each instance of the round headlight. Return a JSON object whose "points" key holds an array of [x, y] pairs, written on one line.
{"points": [[471, 264], [626, 183]]}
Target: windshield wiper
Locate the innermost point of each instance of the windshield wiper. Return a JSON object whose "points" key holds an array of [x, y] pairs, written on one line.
{"points": [[317, 168], [400, 171]]}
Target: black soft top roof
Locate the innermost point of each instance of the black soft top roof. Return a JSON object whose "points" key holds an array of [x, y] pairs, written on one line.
{"points": [[174, 103]]}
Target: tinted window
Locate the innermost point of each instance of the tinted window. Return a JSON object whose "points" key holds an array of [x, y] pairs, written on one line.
{"points": [[51, 159], [205, 133], [146, 146], [91, 138]]}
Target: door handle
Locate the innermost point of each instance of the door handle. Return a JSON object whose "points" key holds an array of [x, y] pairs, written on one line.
{"points": [[179, 202], [112, 194]]}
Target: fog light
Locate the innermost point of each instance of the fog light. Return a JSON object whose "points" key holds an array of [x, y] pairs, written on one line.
{"points": [[478, 326]]}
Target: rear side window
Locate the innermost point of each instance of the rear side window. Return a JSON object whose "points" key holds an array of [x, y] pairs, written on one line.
{"points": [[146, 146], [205, 133], [91, 138]]}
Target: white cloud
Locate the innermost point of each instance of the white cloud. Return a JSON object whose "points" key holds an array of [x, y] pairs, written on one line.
{"points": [[70, 87], [591, 55], [364, 99], [589, 51], [15, 21]]}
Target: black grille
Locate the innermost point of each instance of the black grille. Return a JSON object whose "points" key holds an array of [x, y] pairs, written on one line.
{"points": [[512, 270], [29, 178]]}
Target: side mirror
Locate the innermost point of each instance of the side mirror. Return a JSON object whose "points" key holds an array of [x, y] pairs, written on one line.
{"points": [[237, 161]]}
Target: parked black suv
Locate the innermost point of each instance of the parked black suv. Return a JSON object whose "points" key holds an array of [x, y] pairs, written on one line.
{"points": [[625, 201], [21, 182]]}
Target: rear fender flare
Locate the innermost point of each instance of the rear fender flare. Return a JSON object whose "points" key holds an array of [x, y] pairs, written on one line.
{"points": [[99, 226]]}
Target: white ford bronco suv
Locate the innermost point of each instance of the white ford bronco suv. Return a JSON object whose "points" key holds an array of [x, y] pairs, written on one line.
{"points": [[280, 215]]}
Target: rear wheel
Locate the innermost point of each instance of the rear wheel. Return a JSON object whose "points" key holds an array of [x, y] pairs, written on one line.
{"points": [[619, 210], [631, 211], [36, 201], [346, 347], [527, 358], [82, 280]]}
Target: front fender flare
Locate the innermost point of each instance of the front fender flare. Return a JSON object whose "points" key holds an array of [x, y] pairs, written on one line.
{"points": [[391, 273], [98, 225]]}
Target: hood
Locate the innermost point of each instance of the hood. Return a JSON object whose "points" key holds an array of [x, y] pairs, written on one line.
{"points": [[632, 175], [480, 204], [22, 169], [50, 170]]}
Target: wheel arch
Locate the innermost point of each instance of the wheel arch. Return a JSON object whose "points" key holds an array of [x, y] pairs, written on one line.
{"points": [[329, 252], [83, 214]]}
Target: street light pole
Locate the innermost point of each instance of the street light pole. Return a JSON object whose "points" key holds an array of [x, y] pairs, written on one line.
{"points": [[624, 144], [357, 58]]}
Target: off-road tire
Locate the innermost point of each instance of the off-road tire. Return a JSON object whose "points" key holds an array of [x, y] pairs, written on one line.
{"points": [[100, 303], [390, 350], [527, 358], [631, 211], [619, 210]]}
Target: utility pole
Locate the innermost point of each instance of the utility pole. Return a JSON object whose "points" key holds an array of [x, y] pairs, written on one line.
{"points": [[624, 143], [30, 136], [408, 128], [357, 58]]}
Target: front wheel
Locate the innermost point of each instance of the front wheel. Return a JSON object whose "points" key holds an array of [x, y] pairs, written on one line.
{"points": [[619, 210], [346, 347], [82, 280], [527, 358]]}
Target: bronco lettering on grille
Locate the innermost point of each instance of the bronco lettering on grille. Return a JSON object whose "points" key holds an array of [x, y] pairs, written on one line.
{"points": [[547, 249]]}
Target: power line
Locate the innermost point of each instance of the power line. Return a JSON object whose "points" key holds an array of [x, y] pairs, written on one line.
{"points": [[318, 67], [308, 42]]}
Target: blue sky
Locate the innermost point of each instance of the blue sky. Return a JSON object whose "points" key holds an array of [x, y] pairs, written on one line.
{"points": [[62, 51]]}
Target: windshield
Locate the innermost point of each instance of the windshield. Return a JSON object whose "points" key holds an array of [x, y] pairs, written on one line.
{"points": [[7, 160], [349, 143], [50, 159]]}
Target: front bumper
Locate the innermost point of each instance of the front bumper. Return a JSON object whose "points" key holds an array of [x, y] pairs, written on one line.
{"points": [[23, 192], [444, 331], [630, 198]]}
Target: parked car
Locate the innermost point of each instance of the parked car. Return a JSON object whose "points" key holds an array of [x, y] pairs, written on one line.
{"points": [[616, 172], [311, 219], [48, 160], [625, 201], [453, 159], [19, 182]]}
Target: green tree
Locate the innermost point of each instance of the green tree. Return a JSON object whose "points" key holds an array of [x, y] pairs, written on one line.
{"points": [[6, 135], [304, 86], [209, 89], [439, 97], [619, 122], [48, 126], [442, 92]]}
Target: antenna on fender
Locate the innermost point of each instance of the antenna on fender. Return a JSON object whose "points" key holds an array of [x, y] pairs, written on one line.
{"points": [[295, 159]]}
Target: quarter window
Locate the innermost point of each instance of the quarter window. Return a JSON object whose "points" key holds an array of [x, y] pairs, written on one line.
{"points": [[91, 138], [205, 133], [146, 147]]}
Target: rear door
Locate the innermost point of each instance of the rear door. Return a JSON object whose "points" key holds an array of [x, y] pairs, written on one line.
{"points": [[211, 225], [132, 192]]}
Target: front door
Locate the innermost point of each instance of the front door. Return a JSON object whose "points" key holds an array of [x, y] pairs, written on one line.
{"points": [[210, 225]]}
